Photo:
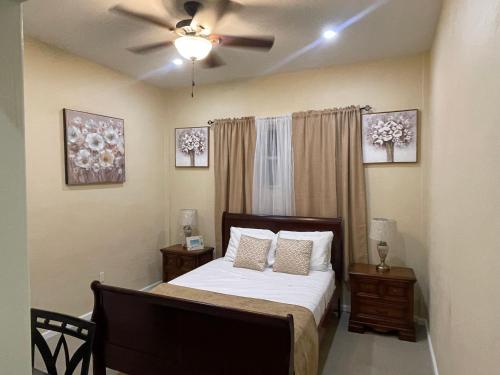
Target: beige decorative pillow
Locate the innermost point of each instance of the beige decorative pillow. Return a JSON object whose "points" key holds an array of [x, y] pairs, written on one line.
{"points": [[293, 256], [252, 253]]}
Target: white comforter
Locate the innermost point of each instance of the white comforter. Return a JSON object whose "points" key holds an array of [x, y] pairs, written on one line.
{"points": [[312, 292]]}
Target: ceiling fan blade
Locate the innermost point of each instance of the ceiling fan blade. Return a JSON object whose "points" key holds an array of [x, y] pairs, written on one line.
{"points": [[213, 60], [210, 15], [264, 43], [121, 10], [221, 8], [148, 48]]}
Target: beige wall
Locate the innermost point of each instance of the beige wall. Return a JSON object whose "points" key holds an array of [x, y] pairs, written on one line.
{"points": [[77, 232], [14, 281], [394, 191], [462, 188]]}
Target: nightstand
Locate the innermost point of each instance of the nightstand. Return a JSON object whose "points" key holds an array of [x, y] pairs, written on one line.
{"points": [[382, 301], [177, 260]]}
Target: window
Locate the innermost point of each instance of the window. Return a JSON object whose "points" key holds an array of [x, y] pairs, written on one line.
{"points": [[273, 167]]}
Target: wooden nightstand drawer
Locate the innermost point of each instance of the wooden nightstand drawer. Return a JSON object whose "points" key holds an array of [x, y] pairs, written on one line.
{"points": [[177, 260], [394, 313], [366, 287], [180, 262], [171, 260], [376, 289], [398, 292], [204, 259], [186, 262], [180, 265]]}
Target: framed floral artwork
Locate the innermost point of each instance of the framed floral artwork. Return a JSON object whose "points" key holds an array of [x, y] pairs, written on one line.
{"points": [[94, 148], [191, 147], [390, 137]]}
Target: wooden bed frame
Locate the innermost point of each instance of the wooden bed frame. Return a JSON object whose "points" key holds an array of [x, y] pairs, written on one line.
{"points": [[141, 333]]}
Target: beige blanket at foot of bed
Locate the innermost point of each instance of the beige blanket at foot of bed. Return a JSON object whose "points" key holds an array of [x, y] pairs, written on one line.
{"points": [[305, 331]]}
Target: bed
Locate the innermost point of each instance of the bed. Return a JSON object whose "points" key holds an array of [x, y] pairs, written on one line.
{"points": [[144, 333], [313, 292]]}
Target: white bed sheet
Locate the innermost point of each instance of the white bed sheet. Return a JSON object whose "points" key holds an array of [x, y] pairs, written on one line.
{"points": [[312, 292]]}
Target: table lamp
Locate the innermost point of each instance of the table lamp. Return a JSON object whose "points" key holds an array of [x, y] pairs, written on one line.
{"points": [[187, 222], [383, 231]]}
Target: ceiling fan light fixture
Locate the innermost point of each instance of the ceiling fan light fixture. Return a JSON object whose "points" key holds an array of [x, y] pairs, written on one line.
{"points": [[193, 48]]}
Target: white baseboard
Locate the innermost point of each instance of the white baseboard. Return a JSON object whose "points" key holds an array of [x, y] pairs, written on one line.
{"points": [[49, 334], [431, 348], [425, 322]]}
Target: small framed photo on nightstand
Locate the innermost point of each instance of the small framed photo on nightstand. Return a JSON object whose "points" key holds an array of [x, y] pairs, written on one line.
{"points": [[194, 243]]}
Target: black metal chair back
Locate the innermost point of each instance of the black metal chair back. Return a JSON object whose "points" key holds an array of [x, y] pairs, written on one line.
{"points": [[67, 326]]}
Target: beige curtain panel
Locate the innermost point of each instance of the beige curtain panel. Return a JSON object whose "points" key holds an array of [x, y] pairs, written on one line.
{"points": [[234, 141], [329, 175]]}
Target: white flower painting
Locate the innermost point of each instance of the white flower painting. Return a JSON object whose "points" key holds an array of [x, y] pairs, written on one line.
{"points": [[390, 137], [95, 148], [191, 147]]}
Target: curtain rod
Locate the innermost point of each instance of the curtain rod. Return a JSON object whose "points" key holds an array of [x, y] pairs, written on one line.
{"points": [[366, 108]]}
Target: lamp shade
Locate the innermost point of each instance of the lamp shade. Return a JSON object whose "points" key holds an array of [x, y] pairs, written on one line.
{"points": [[188, 217], [193, 47], [383, 229]]}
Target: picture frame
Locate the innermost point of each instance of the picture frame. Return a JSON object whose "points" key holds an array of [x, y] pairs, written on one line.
{"points": [[390, 137], [192, 147], [194, 243], [94, 148]]}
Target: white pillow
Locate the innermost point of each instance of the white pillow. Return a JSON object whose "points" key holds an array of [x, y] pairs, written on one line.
{"points": [[234, 242], [322, 246]]}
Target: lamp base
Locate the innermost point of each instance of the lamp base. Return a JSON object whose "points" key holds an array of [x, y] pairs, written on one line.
{"points": [[383, 250], [188, 232], [382, 267]]}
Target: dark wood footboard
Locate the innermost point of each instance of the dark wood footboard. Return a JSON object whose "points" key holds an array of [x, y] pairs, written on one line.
{"points": [[144, 334]]}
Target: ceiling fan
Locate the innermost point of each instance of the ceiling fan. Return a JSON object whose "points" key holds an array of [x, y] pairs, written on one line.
{"points": [[194, 40]]}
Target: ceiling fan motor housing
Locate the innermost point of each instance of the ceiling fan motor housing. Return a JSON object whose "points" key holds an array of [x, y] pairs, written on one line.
{"points": [[192, 7], [187, 26]]}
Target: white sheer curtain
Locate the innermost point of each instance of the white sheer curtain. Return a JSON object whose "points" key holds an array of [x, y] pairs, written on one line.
{"points": [[273, 167]]}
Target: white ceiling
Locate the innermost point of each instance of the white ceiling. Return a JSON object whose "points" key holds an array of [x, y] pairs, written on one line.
{"points": [[371, 29]]}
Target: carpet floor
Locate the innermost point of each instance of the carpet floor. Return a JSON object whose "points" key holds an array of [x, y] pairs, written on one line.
{"points": [[348, 353]]}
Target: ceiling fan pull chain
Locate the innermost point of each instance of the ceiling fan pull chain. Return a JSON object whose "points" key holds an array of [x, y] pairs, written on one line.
{"points": [[192, 82]]}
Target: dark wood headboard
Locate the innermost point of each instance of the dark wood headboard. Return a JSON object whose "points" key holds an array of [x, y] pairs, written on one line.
{"points": [[291, 223]]}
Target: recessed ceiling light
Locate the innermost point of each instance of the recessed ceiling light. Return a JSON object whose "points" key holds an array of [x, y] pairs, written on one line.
{"points": [[178, 62], [329, 34]]}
